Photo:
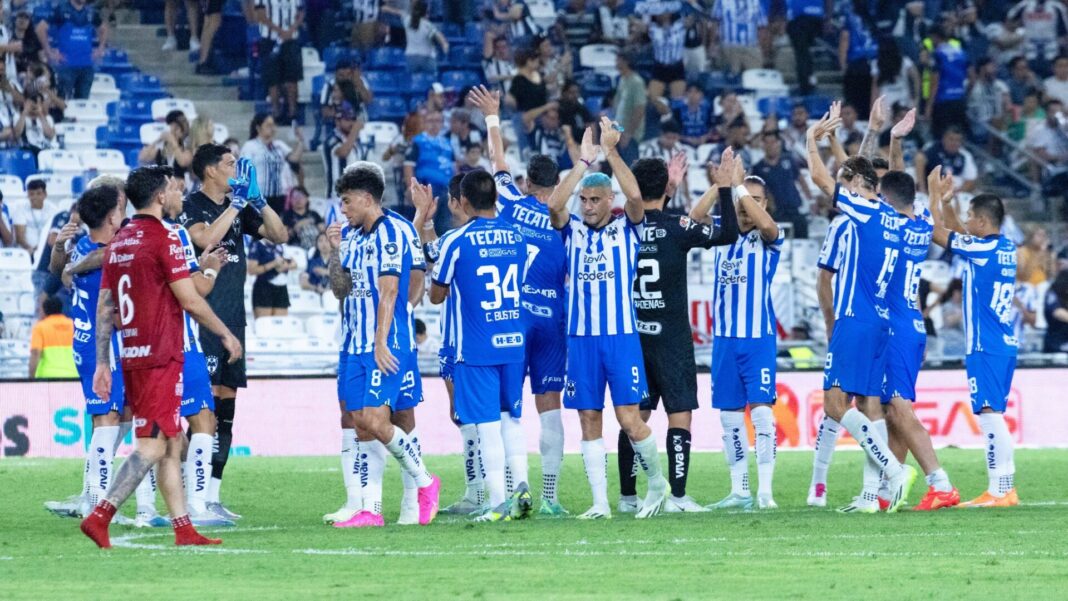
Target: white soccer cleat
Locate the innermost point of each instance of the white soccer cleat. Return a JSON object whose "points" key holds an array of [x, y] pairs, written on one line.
{"points": [[685, 504], [629, 504], [597, 513], [209, 519], [817, 495], [341, 515], [194, 45], [654, 499], [766, 502], [466, 506], [170, 44], [75, 506], [151, 519], [734, 501], [861, 505], [121, 520], [221, 510]]}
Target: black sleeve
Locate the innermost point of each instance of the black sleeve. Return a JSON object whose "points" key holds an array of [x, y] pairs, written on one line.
{"points": [[728, 220], [251, 222]]}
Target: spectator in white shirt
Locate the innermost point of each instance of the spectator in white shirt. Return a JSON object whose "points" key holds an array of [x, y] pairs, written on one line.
{"points": [[34, 128], [31, 220], [497, 64], [1049, 140], [420, 36], [988, 101], [1057, 85], [272, 159]]}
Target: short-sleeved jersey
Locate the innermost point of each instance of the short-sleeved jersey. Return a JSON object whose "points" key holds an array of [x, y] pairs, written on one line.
{"points": [[869, 257], [191, 333], [546, 255], [482, 263], [741, 295], [831, 252], [140, 263], [85, 291], [989, 284], [415, 246], [432, 250], [904, 298], [227, 298], [381, 251], [602, 263], [660, 291]]}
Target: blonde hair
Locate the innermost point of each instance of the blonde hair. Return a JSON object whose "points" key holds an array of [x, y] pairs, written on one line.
{"points": [[201, 132], [107, 180]]}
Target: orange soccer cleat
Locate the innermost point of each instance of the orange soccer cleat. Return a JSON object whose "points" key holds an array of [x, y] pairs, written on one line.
{"points": [[937, 500], [1010, 499]]}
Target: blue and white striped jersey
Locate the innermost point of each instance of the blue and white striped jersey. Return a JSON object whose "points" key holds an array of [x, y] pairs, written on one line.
{"points": [[838, 233], [345, 259], [191, 333], [483, 263], [602, 263], [869, 257], [741, 300], [418, 258], [546, 282], [448, 308], [739, 21], [85, 291], [904, 298], [989, 286], [382, 251]]}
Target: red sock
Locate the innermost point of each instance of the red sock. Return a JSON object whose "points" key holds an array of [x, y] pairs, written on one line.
{"points": [[186, 534], [96, 525], [105, 510]]}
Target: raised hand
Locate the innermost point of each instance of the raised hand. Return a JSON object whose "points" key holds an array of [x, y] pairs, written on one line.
{"points": [[677, 167], [725, 172], [67, 232], [588, 151], [423, 199], [609, 134], [904, 127], [333, 235], [877, 117], [489, 102], [239, 185], [255, 197], [934, 184]]}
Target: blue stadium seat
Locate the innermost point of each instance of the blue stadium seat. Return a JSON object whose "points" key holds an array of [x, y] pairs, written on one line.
{"points": [[780, 105], [333, 54], [138, 81], [17, 162], [817, 105], [116, 62], [131, 157], [419, 83], [387, 59], [462, 56], [317, 88], [118, 135], [593, 104], [387, 108], [474, 32], [454, 33], [130, 112], [458, 80], [594, 83], [389, 83]]}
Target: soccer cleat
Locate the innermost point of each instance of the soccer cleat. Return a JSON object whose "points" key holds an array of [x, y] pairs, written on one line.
{"points": [[209, 519], [464, 506], [169, 44], [428, 500], [121, 520], [145, 519], [597, 513], [221, 510], [654, 499], [552, 508], [860, 505], [986, 499], [341, 515], [522, 503], [685, 504], [734, 501], [96, 528], [629, 504], [363, 519], [937, 500], [900, 488], [194, 45], [817, 496], [500, 513], [72, 507], [884, 503], [766, 502]]}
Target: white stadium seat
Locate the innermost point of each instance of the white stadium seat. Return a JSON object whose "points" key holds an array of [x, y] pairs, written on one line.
{"points": [[77, 136], [600, 57], [60, 161], [106, 160], [104, 89], [60, 185], [286, 327], [15, 258], [11, 187], [764, 82], [150, 132], [27, 304], [305, 302], [9, 303], [936, 272], [162, 106], [331, 305], [16, 280], [92, 113], [325, 326], [543, 12], [220, 134]]}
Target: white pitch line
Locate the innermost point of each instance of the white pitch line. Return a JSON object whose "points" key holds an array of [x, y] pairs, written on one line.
{"points": [[127, 541]]}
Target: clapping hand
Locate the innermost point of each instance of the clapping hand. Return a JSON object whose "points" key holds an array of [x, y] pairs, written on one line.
{"points": [[904, 127], [488, 102], [239, 184]]}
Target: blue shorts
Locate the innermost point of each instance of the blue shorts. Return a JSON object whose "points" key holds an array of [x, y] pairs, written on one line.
{"points": [[196, 385], [856, 359], [904, 357], [86, 366], [596, 361], [411, 384], [342, 359], [546, 361], [484, 392], [743, 371], [367, 386], [989, 380], [446, 363]]}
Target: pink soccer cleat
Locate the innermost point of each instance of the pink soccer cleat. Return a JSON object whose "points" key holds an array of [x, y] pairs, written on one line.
{"points": [[363, 519], [428, 500]]}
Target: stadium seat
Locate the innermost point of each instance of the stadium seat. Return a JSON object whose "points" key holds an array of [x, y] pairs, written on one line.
{"points": [[333, 54], [594, 83], [89, 112], [600, 57], [749, 106], [9, 303], [387, 58], [131, 112], [15, 258], [310, 57], [11, 187], [17, 162], [817, 105], [454, 33], [817, 227], [162, 106], [330, 304], [777, 105], [387, 83], [303, 303], [117, 136], [937, 272], [285, 327], [17, 329], [474, 32], [764, 82], [150, 132], [116, 62], [60, 185], [462, 56], [105, 160], [16, 280], [27, 304], [386, 108], [324, 326], [77, 136], [458, 80], [419, 83], [130, 82], [378, 134], [60, 161], [221, 133]]}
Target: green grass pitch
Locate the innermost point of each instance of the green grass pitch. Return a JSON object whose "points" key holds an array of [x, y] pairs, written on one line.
{"points": [[281, 550]]}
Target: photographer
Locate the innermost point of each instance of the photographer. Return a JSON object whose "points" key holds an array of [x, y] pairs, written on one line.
{"points": [[34, 129]]}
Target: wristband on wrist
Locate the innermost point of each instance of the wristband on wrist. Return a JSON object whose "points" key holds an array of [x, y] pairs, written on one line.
{"points": [[429, 225], [210, 273], [740, 191], [585, 162], [493, 121]]}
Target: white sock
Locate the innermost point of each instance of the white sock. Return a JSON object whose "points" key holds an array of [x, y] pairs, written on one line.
{"points": [[474, 473], [999, 453], [407, 454], [87, 481], [198, 471], [101, 456], [213, 488], [766, 440], [372, 470], [939, 480], [736, 450], [647, 457], [551, 445], [410, 494], [146, 493], [873, 443], [509, 482], [515, 448], [124, 429], [596, 461], [873, 472], [350, 468], [491, 446], [826, 440]]}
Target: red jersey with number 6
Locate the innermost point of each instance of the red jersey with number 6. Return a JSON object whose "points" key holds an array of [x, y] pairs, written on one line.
{"points": [[142, 260]]}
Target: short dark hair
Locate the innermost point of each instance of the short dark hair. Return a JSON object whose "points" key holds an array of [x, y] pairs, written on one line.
{"points": [[880, 163], [361, 178], [255, 123], [454, 185], [898, 188], [670, 126], [480, 190], [652, 176], [1051, 102], [524, 56], [861, 166], [173, 116], [36, 184], [144, 183], [991, 206], [96, 204], [52, 305], [208, 155], [542, 171], [953, 129], [420, 327]]}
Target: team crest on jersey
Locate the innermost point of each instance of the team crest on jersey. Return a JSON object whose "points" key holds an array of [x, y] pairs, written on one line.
{"points": [[967, 239], [213, 363], [613, 232], [684, 221], [569, 388], [391, 248]]}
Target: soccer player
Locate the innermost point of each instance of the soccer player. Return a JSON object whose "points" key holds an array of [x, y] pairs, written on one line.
{"points": [[989, 289], [482, 266], [214, 219], [543, 304], [603, 345], [662, 303], [744, 339], [145, 281], [856, 357], [379, 265], [474, 500]]}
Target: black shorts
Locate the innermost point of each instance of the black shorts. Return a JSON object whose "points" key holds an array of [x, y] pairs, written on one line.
{"points": [[223, 373], [671, 374], [211, 7], [267, 295], [668, 73], [281, 64]]}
